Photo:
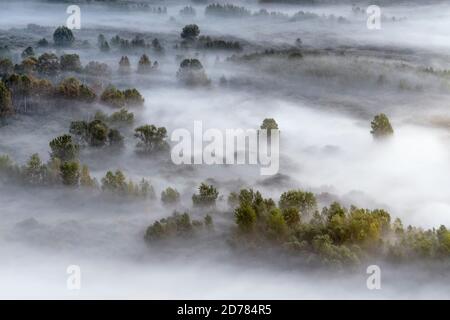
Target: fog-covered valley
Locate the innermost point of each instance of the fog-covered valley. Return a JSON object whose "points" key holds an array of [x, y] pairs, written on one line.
{"points": [[317, 71]]}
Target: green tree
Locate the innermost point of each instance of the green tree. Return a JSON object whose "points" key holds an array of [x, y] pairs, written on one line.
{"points": [[28, 52], [170, 196], [64, 148], [70, 173], [6, 107], [381, 127], [133, 97], [206, 197], [144, 65], [114, 182], [35, 170], [191, 73], [190, 32], [70, 62], [151, 139], [303, 201], [245, 217], [269, 124], [292, 216], [113, 97], [85, 178], [63, 36]]}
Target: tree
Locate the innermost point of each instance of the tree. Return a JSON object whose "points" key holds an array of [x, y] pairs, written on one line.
{"points": [[144, 65], [28, 52], [276, 224], [48, 64], [381, 127], [85, 178], [114, 182], [115, 138], [64, 148], [245, 217], [6, 107], [191, 72], [206, 197], [42, 43], [6, 67], [35, 170], [121, 117], [269, 124], [170, 196], [70, 62], [98, 133], [63, 37], [190, 32], [303, 201], [133, 97], [291, 216], [70, 173], [73, 89], [113, 97], [124, 65], [151, 139], [188, 11], [97, 69]]}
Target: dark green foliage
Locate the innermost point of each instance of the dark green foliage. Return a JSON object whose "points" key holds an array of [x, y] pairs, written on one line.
{"points": [[191, 72], [178, 226], [64, 148], [63, 37], [70, 62], [116, 184], [6, 107], [113, 97], [304, 201], [28, 52], [96, 133], [245, 217], [151, 139], [218, 44], [206, 197], [70, 173], [42, 43], [170, 196], [121, 117], [133, 97], [381, 127], [190, 32]]}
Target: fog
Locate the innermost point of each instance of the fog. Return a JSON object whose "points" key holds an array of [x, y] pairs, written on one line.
{"points": [[323, 107]]}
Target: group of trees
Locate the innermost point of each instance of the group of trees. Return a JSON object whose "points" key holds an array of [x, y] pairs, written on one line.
{"points": [[96, 133], [125, 45], [177, 226], [64, 168], [144, 65], [116, 98]]}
